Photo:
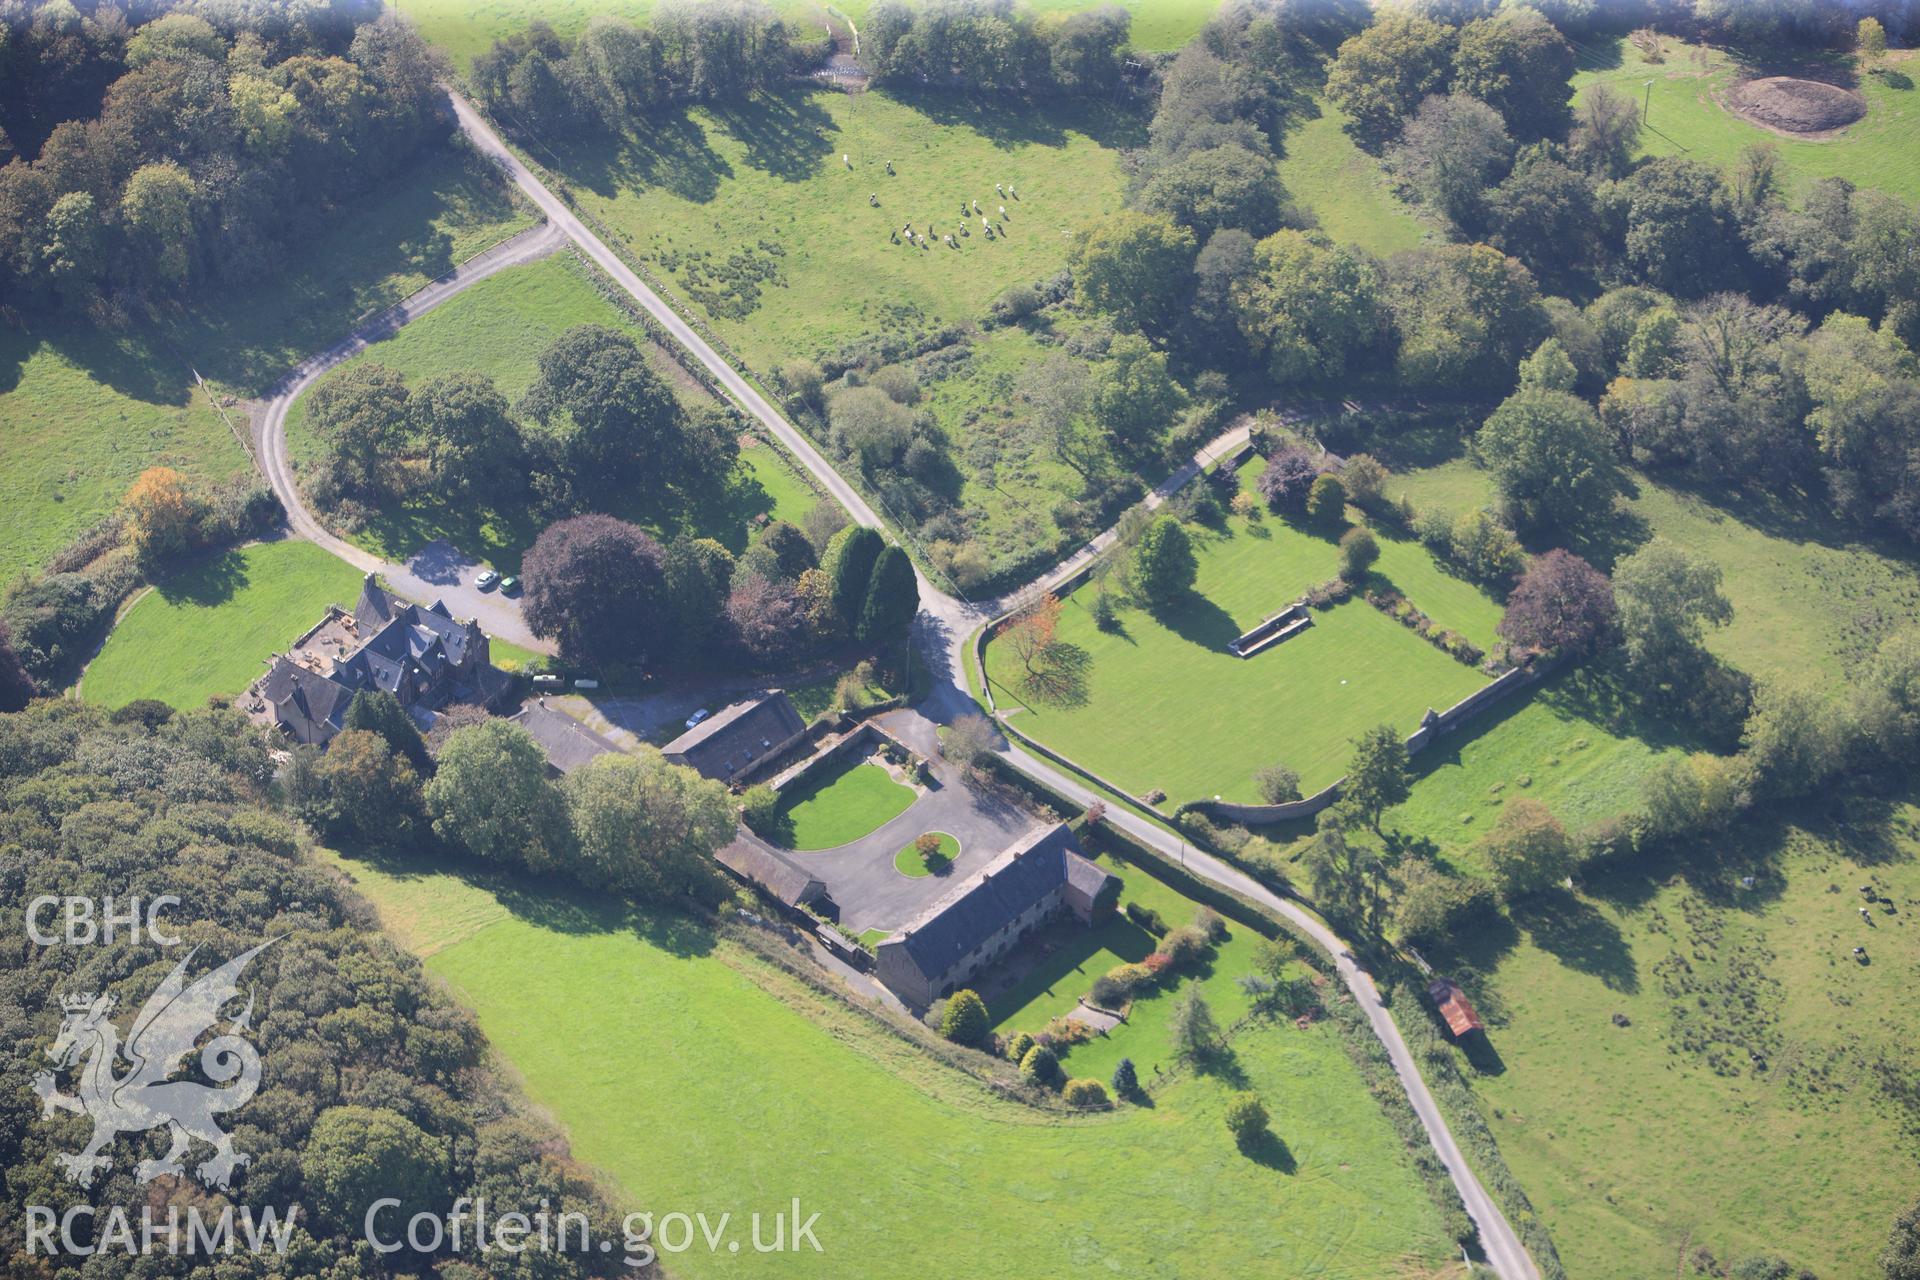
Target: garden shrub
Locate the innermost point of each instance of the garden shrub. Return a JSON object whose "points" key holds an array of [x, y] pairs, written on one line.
{"points": [[1040, 1066], [1018, 1046], [1184, 945], [1126, 1081], [1065, 1031], [965, 1019], [1147, 918], [1085, 1093], [1210, 923]]}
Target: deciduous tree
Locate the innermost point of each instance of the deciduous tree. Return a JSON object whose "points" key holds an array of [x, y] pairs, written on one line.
{"points": [[1552, 461], [647, 827], [1163, 566], [1136, 267], [1527, 850], [491, 796], [1561, 604], [596, 585], [1382, 74]]}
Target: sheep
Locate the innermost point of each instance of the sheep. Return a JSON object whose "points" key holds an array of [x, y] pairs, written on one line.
{"points": [[1003, 211], [1000, 191], [976, 206], [889, 167], [873, 201], [846, 159], [1012, 192]]}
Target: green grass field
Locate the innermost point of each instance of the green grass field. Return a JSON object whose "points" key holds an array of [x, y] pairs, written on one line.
{"points": [[81, 414], [465, 28], [1809, 595], [763, 181], [770, 1092], [1569, 744], [1217, 718], [1685, 115], [909, 863], [840, 805], [1639, 1143], [1344, 188], [499, 327], [209, 630]]}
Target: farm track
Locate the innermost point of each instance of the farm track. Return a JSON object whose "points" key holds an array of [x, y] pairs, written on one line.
{"points": [[942, 629]]}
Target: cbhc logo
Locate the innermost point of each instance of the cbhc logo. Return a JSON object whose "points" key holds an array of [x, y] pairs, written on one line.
{"points": [[88, 921]]}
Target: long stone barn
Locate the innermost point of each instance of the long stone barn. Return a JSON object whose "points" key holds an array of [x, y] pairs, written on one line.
{"points": [[962, 934]]}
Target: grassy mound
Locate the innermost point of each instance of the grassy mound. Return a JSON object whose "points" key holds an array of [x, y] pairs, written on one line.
{"points": [[1798, 106]]}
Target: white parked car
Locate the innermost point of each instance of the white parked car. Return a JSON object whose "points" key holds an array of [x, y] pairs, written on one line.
{"points": [[486, 579]]}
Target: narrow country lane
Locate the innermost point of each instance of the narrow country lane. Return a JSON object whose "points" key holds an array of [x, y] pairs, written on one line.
{"points": [[942, 629], [415, 580]]}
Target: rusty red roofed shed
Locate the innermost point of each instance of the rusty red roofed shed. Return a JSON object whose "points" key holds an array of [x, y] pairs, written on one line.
{"points": [[1454, 1007]]}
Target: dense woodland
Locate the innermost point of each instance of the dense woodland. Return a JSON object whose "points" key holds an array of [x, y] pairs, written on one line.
{"points": [[371, 1078], [1718, 333], [154, 152]]}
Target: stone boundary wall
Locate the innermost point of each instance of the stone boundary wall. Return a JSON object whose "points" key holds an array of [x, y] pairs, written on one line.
{"points": [[862, 733]]}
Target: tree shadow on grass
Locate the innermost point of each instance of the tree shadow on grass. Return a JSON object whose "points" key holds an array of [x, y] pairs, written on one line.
{"points": [[1270, 1151], [668, 149], [1009, 121], [785, 133], [214, 582], [1576, 934], [1198, 620], [550, 902]]}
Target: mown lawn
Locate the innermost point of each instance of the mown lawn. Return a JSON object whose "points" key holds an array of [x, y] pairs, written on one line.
{"points": [[1744, 1105], [1058, 982], [764, 1092], [1685, 116], [1168, 707], [1810, 596], [499, 327], [210, 629], [707, 196], [1343, 187], [909, 862], [840, 805]]}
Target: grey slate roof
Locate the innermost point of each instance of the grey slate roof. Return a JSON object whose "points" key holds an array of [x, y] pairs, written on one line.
{"points": [[568, 743], [313, 696], [753, 859], [955, 927], [738, 735]]}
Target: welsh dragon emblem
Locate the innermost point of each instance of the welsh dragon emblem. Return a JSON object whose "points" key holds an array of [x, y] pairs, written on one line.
{"points": [[167, 1030]]}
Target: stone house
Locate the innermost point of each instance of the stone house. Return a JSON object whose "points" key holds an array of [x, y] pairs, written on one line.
{"points": [[961, 935]]}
